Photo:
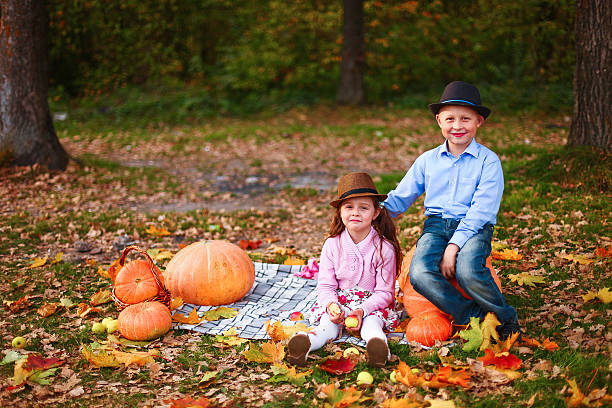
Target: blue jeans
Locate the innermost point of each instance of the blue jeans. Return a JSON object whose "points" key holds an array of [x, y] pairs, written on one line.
{"points": [[470, 270]]}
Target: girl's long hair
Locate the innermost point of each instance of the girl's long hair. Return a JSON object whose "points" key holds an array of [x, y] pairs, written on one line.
{"points": [[383, 224]]}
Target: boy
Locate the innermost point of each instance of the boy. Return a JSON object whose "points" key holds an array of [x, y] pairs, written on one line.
{"points": [[463, 184]]}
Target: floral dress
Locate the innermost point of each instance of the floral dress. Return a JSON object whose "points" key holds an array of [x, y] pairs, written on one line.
{"points": [[351, 299]]}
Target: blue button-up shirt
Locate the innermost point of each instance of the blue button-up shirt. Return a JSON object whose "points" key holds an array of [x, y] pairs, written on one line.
{"points": [[467, 188]]}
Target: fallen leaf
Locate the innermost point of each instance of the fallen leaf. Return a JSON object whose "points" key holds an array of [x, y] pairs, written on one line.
{"points": [[220, 313], [189, 402], [577, 398], [47, 309], [342, 398], [101, 297], [549, 345], [338, 364], [84, 309], [581, 259], [207, 379], [284, 373], [438, 403], [38, 262], [34, 365], [282, 250], [603, 252], [506, 255], [402, 403], [268, 352], [447, 374], [158, 232], [176, 302], [248, 244], [159, 254], [192, 318], [473, 335], [17, 305], [489, 330], [524, 278], [279, 332], [291, 260], [58, 258], [503, 360]]}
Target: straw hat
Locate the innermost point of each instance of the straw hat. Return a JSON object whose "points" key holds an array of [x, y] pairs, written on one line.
{"points": [[356, 185]]}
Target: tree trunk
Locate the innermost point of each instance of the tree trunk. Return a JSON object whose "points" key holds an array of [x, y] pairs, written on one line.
{"points": [[592, 120], [350, 91], [27, 135]]}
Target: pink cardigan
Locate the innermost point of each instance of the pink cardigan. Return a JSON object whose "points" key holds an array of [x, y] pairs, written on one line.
{"points": [[346, 265]]}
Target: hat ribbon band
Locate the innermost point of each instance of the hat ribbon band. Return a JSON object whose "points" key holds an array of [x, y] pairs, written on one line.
{"points": [[357, 191], [458, 100]]}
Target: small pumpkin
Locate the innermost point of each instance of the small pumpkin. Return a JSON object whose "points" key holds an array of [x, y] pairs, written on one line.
{"points": [[428, 327], [145, 321], [135, 282], [414, 302], [210, 273]]}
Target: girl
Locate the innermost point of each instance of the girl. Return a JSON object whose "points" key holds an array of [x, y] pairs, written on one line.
{"points": [[359, 263]]}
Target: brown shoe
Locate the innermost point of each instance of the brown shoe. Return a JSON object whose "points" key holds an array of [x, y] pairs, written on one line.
{"points": [[299, 345], [378, 352]]}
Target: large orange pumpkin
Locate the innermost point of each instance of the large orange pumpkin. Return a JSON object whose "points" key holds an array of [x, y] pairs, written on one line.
{"points": [[144, 321], [428, 327], [135, 282], [210, 273], [414, 302]]}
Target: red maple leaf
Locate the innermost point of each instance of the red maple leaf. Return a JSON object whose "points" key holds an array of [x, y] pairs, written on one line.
{"points": [[248, 244], [603, 252], [503, 360], [36, 361], [189, 402], [340, 365]]}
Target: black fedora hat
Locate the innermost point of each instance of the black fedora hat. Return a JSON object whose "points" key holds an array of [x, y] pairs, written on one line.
{"points": [[460, 93]]}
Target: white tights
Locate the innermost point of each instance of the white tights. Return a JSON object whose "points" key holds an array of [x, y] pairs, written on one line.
{"points": [[371, 327]]}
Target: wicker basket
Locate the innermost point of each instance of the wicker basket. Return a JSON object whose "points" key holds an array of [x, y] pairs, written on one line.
{"points": [[163, 296]]}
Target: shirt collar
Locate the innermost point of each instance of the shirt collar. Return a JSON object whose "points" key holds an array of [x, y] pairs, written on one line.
{"points": [[347, 240], [472, 149]]}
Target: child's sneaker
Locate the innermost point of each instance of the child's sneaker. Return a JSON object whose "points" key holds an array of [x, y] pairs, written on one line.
{"points": [[378, 352], [506, 329], [298, 346]]}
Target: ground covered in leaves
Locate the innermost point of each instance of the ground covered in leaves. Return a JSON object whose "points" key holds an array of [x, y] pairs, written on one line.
{"points": [[266, 181]]}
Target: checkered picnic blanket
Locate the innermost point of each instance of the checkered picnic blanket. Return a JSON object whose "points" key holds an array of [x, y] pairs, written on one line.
{"points": [[276, 293]]}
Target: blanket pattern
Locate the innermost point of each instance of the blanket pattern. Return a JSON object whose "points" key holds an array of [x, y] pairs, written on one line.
{"points": [[276, 293]]}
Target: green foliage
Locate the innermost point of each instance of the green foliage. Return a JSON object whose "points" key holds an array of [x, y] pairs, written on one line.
{"points": [[248, 48]]}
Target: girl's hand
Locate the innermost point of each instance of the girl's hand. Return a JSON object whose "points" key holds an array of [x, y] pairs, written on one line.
{"points": [[449, 259], [335, 313], [358, 314]]}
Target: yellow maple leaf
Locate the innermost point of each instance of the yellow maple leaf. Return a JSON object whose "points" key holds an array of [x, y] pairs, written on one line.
{"points": [[290, 373], [158, 254], [279, 332], [269, 352], [605, 295], [506, 345], [158, 232], [176, 302], [220, 313], [282, 250], [581, 259], [524, 278], [100, 359], [100, 297], [58, 258], [139, 358], [439, 403], [103, 272], [293, 260], [342, 398], [577, 397], [488, 330], [231, 340], [590, 295], [192, 318], [506, 255], [402, 403], [38, 262]]}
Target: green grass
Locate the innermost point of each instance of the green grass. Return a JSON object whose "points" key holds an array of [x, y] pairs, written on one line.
{"points": [[555, 199]]}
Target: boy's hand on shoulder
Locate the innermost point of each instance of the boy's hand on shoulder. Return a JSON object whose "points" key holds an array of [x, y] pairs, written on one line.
{"points": [[449, 259]]}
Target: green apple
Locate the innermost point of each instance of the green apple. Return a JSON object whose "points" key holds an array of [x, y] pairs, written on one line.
{"points": [[393, 376], [112, 326], [98, 328], [351, 322], [351, 351], [106, 321], [364, 378], [19, 342]]}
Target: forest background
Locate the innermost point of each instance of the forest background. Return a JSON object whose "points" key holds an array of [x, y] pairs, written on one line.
{"points": [[247, 54]]}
